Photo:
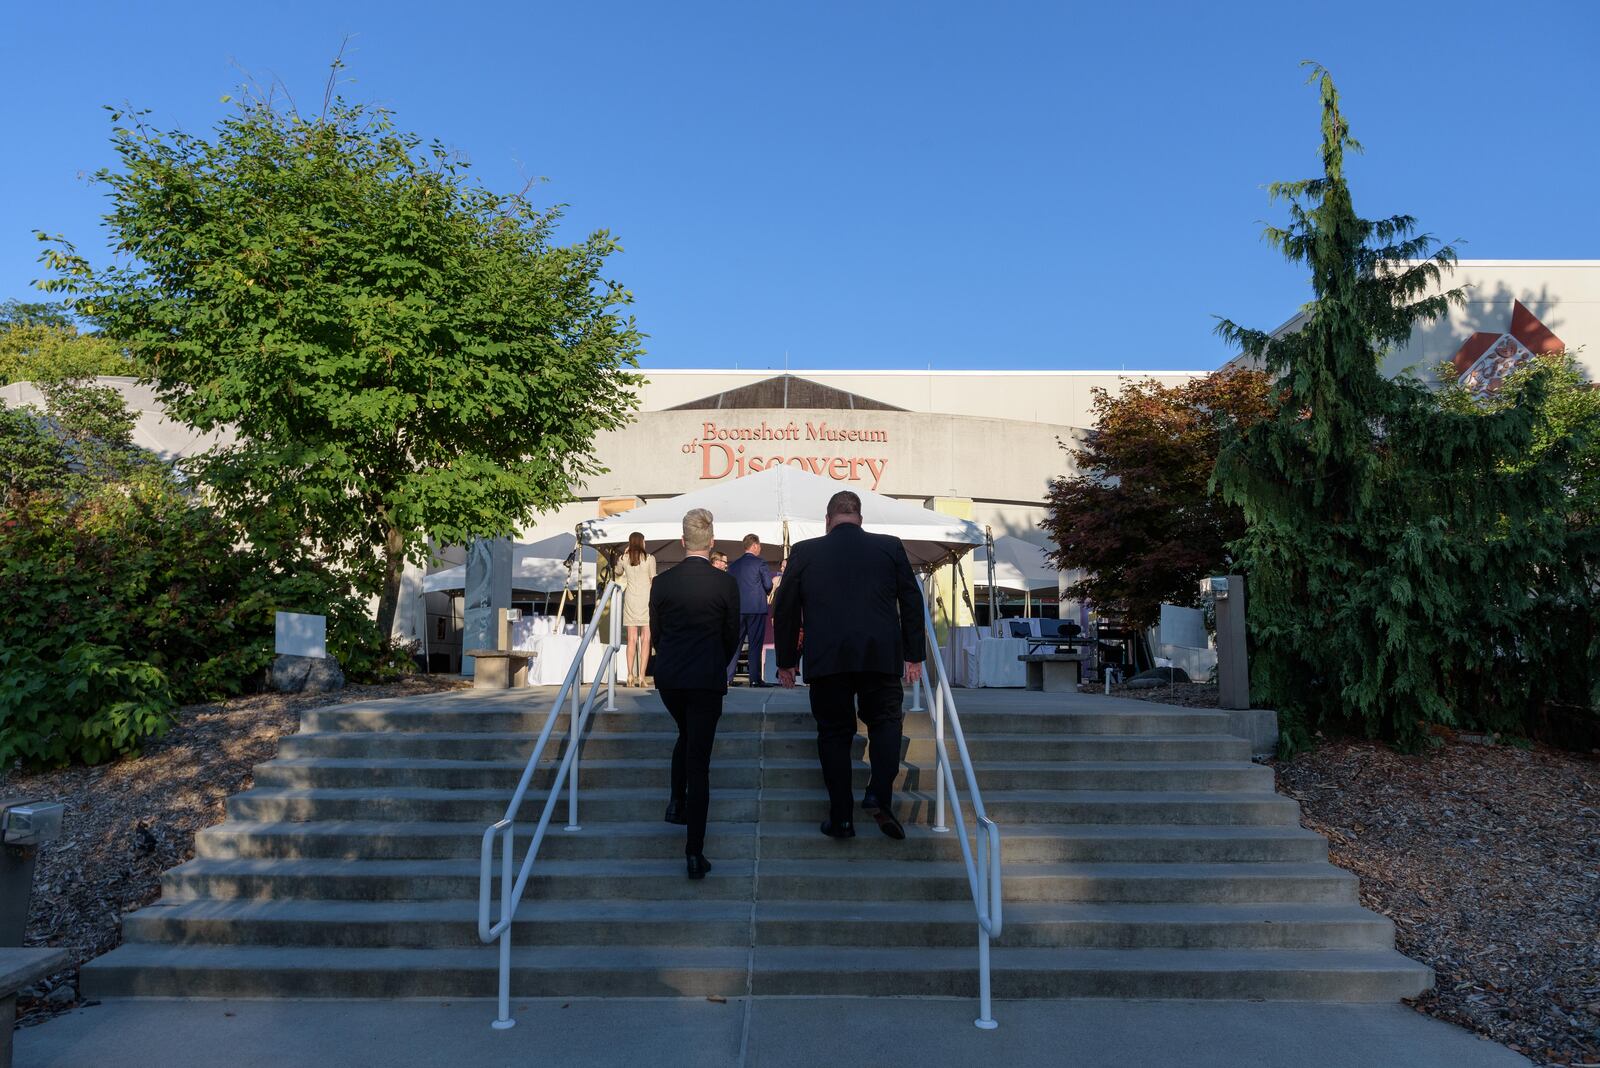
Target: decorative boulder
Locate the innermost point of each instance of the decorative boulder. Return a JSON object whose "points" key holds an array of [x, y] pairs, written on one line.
{"points": [[1161, 676], [306, 674]]}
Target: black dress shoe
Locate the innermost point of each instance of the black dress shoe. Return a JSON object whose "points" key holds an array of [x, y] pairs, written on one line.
{"points": [[889, 825], [869, 802], [675, 814], [838, 830], [760, 685], [698, 866]]}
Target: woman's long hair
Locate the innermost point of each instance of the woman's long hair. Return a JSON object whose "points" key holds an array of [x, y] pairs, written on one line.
{"points": [[635, 549]]}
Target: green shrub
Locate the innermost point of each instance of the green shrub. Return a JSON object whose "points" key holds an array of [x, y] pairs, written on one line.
{"points": [[129, 596]]}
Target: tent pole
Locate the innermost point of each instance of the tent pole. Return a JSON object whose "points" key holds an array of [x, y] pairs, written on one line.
{"points": [[577, 556], [994, 613]]}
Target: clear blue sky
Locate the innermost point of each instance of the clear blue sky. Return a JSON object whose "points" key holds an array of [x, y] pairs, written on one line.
{"points": [[885, 184]]}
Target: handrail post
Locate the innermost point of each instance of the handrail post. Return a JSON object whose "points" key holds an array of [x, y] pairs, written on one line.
{"points": [[504, 1021], [985, 1020], [939, 823]]}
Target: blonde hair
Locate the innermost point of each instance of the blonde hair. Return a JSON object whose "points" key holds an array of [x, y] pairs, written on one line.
{"points": [[697, 530]]}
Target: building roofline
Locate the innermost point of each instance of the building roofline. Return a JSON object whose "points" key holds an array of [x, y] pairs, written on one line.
{"points": [[1528, 263], [801, 372]]}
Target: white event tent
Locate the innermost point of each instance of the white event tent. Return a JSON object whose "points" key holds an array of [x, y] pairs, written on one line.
{"points": [[1018, 565], [781, 506], [539, 567]]}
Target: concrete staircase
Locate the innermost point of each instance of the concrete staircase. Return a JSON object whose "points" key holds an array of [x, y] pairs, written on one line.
{"points": [[1145, 857]]}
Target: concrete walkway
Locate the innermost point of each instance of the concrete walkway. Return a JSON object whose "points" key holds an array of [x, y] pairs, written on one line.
{"points": [[769, 1032]]}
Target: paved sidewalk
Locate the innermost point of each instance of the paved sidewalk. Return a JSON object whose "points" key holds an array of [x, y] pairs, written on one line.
{"points": [[770, 1033]]}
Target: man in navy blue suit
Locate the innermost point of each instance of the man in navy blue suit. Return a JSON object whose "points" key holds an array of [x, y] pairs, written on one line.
{"points": [[755, 582]]}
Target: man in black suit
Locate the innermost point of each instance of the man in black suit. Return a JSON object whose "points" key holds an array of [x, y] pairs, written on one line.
{"points": [[857, 599], [694, 615]]}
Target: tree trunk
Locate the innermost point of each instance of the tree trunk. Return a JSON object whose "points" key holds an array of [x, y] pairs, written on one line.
{"points": [[394, 565]]}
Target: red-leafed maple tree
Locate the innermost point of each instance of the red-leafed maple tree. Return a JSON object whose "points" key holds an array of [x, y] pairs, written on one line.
{"points": [[1139, 520]]}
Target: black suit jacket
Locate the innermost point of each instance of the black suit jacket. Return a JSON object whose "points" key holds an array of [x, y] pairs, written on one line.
{"points": [[694, 621], [858, 600]]}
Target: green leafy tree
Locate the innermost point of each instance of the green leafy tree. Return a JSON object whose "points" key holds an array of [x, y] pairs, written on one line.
{"points": [[403, 354], [39, 343], [1395, 547], [1139, 519], [1562, 632]]}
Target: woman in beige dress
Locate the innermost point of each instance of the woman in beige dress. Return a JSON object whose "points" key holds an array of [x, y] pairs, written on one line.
{"points": [[638, 571]]}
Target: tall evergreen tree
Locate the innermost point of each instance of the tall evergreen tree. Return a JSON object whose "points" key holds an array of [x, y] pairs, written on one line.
{"points": [[1393, 547]]}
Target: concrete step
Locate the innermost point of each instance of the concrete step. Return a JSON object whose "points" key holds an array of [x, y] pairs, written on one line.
{"points": [[1080, 926], [1061, 843], [747, 745], [659, 879], [797, 745], [376, 840], [530, 717], [1015, 808], [1270, 975], [1009, 808], [600, 773], [421, 924], [340, 773], [503, 745], [483, 807], [886, 880], [159, 970], [996, 775]]}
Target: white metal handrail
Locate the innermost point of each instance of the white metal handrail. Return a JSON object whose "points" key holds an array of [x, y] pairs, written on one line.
{"points": [[566, 775], [983, 870]]}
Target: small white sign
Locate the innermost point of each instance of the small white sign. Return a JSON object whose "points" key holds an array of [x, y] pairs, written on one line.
{"points": [[300, 634]]}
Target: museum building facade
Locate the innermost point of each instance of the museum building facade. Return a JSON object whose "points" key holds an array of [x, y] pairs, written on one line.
{"points": [[981, 445]]}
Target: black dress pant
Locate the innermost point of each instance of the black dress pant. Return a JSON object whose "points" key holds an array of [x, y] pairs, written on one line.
{"points": [[752, 629], [696, 713], [836, 701]]}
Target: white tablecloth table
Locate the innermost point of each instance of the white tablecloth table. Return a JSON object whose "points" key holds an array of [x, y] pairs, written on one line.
{"points": [[550, 656], [961, 656], [997, 663]]}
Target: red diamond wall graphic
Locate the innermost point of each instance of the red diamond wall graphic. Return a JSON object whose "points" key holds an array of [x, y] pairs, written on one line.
{"points": [[1485, 359]]}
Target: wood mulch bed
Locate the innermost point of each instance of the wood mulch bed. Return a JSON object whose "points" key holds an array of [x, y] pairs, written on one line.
{"points": [[1487, 859], [129, 821]]}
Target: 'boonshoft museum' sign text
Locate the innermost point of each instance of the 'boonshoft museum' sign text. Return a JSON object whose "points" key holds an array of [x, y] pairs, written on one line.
{"points": [[743, 450]]}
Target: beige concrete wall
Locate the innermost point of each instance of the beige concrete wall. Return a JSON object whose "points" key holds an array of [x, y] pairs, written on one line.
{"points": [[902, 454], [1563, 294]]}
